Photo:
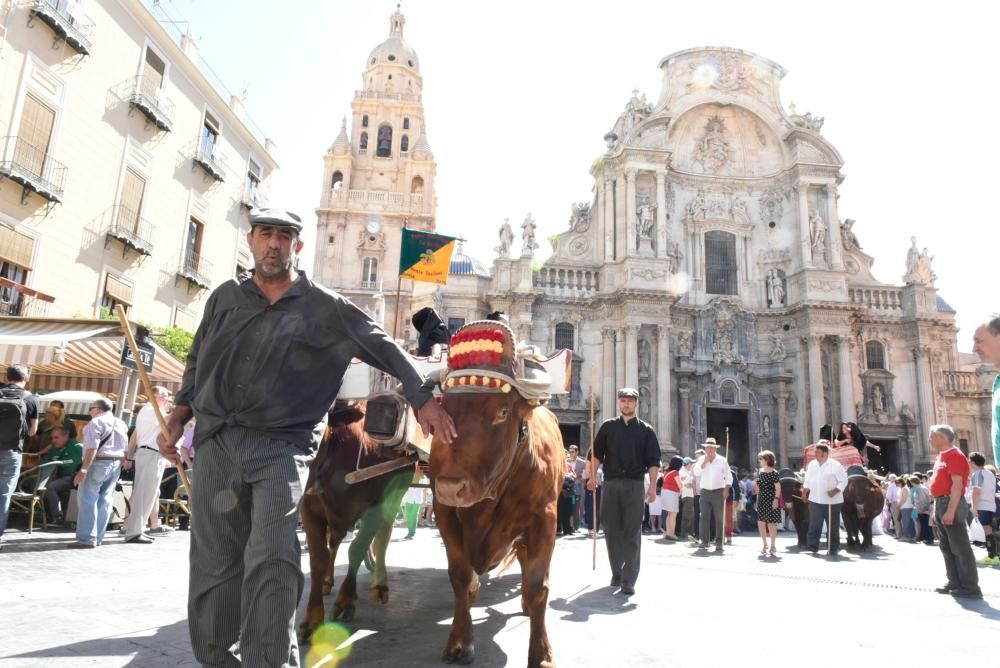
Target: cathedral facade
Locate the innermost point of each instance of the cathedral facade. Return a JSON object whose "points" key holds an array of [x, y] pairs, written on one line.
{"points": [[711, 270]]}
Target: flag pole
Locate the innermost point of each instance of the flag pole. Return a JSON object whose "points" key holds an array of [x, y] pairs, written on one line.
{"points": [[725, 496], [593, 473], [395, 319]]}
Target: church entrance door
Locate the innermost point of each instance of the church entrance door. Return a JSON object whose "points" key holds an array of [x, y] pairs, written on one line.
{"points": [[738, 422]]}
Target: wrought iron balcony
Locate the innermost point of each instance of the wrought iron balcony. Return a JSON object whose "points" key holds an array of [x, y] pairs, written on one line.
{"points": [[196, 270], [146, 96], [252, 198], [33, 168], [74, 28], [205, 158], [134, 231], [21, 301]]}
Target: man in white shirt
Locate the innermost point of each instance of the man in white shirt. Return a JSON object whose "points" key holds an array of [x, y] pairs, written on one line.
{"points": [[687, 483], [984, 501], [892, 498], [824, 486], [714, 478], [149, 466]]}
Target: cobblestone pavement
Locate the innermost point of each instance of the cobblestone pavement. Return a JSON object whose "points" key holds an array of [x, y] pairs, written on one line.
{"points": [[124, 605]]}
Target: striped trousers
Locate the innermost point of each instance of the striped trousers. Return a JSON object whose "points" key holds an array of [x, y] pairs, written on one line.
{"points": [[246, 575]]}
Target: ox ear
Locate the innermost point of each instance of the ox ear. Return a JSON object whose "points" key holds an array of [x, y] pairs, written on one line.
{"points": [[522, 407]]}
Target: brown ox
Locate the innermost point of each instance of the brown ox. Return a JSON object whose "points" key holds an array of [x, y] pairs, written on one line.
{"points": [[495, 493], [327, 517]]}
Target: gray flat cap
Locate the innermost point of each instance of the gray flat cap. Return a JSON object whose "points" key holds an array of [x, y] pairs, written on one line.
{"points": [[276, 218], [628, 392]]}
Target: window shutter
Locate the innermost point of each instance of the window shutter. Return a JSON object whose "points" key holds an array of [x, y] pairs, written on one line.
{"points": [[133, 191], [116, 288], [35, 133], [16, 247]]}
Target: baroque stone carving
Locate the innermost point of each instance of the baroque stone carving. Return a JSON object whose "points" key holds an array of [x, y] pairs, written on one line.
{"points": [[775, 288], [683, 345], [506, 239], [777, 348], [806, 120], [371, 242], [579, 221], [771, 205], [918, 266], [817, 232], [644, 358], [739, 212], [724, 342], [646, 274], [528, 243], [646, 212], [824, 286], [709, 205], [775, 256], [712, 150], [579, 246], [726, 72]]}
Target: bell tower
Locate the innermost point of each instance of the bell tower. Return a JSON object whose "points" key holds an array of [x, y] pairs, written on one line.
{"points": [[378, 176]]}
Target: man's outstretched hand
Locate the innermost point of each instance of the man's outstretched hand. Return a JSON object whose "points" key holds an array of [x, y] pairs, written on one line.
{"points": [[434, 419]]}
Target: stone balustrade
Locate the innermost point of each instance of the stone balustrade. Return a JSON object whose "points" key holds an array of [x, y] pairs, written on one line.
{"points": [[878, 298], [967, 381], [379, 200], [567, 281]]}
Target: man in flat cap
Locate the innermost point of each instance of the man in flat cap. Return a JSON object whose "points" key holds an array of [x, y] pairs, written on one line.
{"points": [[266, 364], [629, 449]]}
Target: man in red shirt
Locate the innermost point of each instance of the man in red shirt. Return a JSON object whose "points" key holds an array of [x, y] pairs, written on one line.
{"points": [[951, 475]]}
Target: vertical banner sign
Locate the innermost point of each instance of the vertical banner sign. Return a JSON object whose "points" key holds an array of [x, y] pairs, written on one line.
{"points": [[425, 257]]}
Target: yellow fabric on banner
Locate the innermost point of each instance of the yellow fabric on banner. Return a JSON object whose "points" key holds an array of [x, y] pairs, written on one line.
{"points": [[433, 267]]}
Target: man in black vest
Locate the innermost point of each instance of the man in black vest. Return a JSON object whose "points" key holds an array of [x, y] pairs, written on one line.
{"points": [[18, 421]]}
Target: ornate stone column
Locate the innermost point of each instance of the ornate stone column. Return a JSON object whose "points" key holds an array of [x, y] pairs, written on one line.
{"points": [[619, 359], [846, 380], [608, 370], [661, 214], [632, 356], [782, 427], [806, 238], [664, 396], [684, 420], [925, 398], [833, 234], [630, 223], [609, 219], [815, 385]]}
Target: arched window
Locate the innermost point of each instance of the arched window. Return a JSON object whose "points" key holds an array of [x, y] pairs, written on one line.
{"points": [[337, 181], [384, 147], [417, 185], [406, 123], [874, 355], [363, 144], [404, 143], [364, 121], [564, 336], [369, 273], [720, 263]]}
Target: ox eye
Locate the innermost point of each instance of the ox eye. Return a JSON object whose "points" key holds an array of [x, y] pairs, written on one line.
{"points": [[501, 415]]}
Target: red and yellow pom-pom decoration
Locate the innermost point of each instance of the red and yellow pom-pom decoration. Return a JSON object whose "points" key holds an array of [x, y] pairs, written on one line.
{"points": [[476, 348], [484, 382]]}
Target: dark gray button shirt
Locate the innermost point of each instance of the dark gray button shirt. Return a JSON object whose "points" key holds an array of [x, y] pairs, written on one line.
{"points": [[277, 368], [627, 449]]}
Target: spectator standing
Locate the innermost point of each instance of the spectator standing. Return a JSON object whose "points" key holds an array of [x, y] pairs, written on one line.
{"points": [[671, 496], [984, 501], [578, 465], [733, 497], [986, 344], [922, 510], [656, 508], [892, 499], [687, 482], [768, 501], [105, 440], [18, 422], [951, 474], [698, 454], [824, 486], [588, 510], [64, 449], [628, 449], [715, 479], [144, 454], [906, 508]]}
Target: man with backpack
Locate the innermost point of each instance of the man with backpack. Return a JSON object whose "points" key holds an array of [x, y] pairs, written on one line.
{"points": [[18, 421]]}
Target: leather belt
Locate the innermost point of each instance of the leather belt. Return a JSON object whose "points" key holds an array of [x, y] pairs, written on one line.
{"points": [[148, 447], [101, 458]]}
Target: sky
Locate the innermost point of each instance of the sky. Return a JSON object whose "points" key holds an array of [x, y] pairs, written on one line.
{"points": [[518, 95]]}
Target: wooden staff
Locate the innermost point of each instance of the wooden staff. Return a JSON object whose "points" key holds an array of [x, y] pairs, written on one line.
{"points": [[593, 472], [725, 496], [148, 386]]}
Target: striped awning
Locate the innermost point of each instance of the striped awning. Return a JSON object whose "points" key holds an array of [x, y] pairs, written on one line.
{"points": [[93, 364], [36, 341]]}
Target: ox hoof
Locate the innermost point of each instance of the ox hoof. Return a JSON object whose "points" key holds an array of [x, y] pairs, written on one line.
{"points": [[380, 593], [343, 613], [460, 655], [304, 634]]}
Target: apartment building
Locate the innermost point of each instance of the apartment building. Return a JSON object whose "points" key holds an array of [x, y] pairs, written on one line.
{"points": [[127, 171]]}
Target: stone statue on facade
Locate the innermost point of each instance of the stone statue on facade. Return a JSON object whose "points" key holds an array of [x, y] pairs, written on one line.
{"points": [[636, 110], [817, 231], [644, 358], [645, 404], [806, 120], [528, 243], [741, 215], [506, 239], [775, 288], [766, 425], [777, 348], [724, 342], [579, 220], [878, 400], [647, 217], [674, 257], [684, 346], [918, 266], [712, 150], [847, 235], [697, 209]]}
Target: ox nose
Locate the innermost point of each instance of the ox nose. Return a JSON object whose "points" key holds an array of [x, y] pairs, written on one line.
{"points": [[451, 491]]}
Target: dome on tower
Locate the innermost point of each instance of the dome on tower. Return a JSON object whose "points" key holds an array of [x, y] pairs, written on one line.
{"points": [[466, 265], [394, 51]]}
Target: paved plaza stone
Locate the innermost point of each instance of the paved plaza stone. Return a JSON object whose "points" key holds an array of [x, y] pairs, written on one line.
{"points": [[124, 605]]}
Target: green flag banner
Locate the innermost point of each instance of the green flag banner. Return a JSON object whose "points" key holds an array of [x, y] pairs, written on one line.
{"points": [[425, 256]]}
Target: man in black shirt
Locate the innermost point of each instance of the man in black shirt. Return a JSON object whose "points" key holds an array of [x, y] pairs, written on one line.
{"points": [[266, 364], [18, 421], [629, 449]]}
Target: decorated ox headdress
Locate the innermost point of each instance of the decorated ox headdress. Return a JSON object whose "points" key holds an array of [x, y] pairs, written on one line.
{"points": [[483, 357]]}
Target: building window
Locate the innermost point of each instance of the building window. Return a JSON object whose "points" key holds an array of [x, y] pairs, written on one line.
{"points": [[183, 319], [34, 135], [720, 263], [564, 336], [244, 260], [209, 136], [254, 176], [337, 180], [153, 73], [417, 185], [406, 123], [10, 298], [455, 324], [364, 121], [369, 273], [963, 444], [363, 143], [384, 148], [116, 291], [133, 194], [404, 143], [874, 355], [17, 251], [192, 250]]}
